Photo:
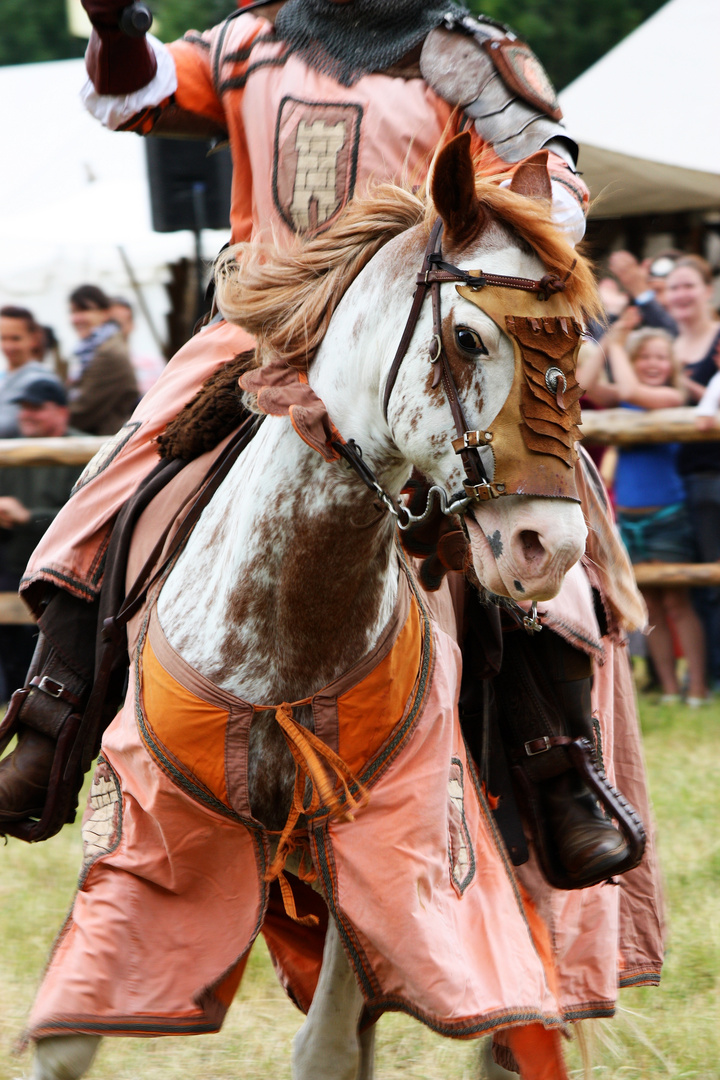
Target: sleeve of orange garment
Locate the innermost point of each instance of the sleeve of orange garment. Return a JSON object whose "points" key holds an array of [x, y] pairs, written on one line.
{"points": [[196, 92], [201, 62]]}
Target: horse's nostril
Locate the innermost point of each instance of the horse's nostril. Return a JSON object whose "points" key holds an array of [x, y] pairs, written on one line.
{"points": [[532, 547]]}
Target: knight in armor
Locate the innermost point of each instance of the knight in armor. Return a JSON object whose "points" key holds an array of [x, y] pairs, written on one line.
{"points": [[318, 98]]}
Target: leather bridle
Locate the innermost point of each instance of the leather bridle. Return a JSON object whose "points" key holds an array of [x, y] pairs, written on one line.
{"points": [[434, 273]]}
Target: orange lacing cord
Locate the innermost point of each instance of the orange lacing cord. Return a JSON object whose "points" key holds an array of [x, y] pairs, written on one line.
{"points": [[311, 755], [306, 872]]}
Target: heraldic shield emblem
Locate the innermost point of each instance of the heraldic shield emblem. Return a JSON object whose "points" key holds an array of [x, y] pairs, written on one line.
{"points": [[315, 163]]}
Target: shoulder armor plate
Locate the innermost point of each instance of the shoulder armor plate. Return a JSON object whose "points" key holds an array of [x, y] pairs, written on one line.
{"points": [[458, 64], [522, 72]]}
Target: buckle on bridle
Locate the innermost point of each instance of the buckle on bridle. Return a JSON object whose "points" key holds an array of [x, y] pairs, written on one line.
{"points": [[484, 491], [437, 342], [470, 440]]}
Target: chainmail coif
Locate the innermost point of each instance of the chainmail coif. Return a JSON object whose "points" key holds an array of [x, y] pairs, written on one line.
{"points": [[348, 41]]}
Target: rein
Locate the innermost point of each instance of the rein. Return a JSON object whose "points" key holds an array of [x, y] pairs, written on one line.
{"points": [[434, 273]]}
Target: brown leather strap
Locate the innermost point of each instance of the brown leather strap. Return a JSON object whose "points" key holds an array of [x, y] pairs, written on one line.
{"points": [[113, 632], [197, 502], [544, 743], [478, 279], [428, 280], [421, 289], [472, 462], [435, 272], [55, 689]]}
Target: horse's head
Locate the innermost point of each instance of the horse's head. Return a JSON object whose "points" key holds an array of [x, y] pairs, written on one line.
{"points": [[485, 400]]}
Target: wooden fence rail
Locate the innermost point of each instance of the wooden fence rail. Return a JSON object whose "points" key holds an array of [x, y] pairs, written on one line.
{"points": [[70, 450], [619, 427], [623, 427], [627, 427]]}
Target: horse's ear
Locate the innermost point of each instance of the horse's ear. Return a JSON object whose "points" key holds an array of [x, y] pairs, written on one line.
{"points": [[532, 178], [453, 190]]}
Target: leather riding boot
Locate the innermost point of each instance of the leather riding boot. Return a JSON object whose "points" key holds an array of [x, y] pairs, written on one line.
{"points": [[543, 692], [586, 843], [25, 776]]}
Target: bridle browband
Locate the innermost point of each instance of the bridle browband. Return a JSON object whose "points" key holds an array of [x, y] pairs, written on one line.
{"points": [[434, 273]]}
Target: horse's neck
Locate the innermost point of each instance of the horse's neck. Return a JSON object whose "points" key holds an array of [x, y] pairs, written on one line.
{"points": [[288, 578]]}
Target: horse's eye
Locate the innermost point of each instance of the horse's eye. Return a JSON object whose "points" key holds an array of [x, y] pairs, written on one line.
{"points": [[470, 341]]}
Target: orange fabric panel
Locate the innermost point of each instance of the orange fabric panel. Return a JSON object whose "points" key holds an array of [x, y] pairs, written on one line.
{"points": [[226, 990], [296, 950], [192, 729], [537, 1050], [195, 91], [368, 712], [541, 939]]}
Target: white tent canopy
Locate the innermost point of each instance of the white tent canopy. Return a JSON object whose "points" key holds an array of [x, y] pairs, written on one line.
{"points": [[71, 195], [646, 115]]}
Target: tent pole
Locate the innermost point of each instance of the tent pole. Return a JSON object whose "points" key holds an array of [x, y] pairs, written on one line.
{"points": [[137, 289]]}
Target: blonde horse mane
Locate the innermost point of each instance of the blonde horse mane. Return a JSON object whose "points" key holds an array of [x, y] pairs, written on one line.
{"points": [[285, 297]]}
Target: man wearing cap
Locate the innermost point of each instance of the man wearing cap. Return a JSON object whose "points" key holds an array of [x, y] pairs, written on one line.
{"points": [[30, 497], [645, 283]]}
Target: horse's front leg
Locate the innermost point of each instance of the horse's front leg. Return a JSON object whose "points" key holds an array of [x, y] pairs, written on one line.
{"points": [[64, 1057], [327, 1046]]}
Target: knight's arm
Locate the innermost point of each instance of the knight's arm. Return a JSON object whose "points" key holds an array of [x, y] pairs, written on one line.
{"points": [[182, 96], [505, 97]]}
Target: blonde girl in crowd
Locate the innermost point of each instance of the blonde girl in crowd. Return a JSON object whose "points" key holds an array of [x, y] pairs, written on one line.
{"points": [[649, 492]]}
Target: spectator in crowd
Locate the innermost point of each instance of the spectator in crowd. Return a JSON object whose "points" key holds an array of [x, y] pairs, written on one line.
{"points": [[103, 388], [658, 269], [650, 496], [689, 300], [147, 368], [614, 301], [707, 408], [20, 338], [644, 289], [29, 500], [689, 297], [49, 352]]}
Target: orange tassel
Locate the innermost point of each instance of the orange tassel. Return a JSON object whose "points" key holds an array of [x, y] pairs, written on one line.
{"points": [[311, 756]]}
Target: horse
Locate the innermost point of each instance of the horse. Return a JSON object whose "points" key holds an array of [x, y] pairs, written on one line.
{"points": [[288, 594]]}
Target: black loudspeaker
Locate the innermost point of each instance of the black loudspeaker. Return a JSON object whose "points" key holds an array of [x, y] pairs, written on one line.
{"points": [[189, 187]]}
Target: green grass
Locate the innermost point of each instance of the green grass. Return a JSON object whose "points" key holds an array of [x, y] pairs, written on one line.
{"points": [[666, 1032]]}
